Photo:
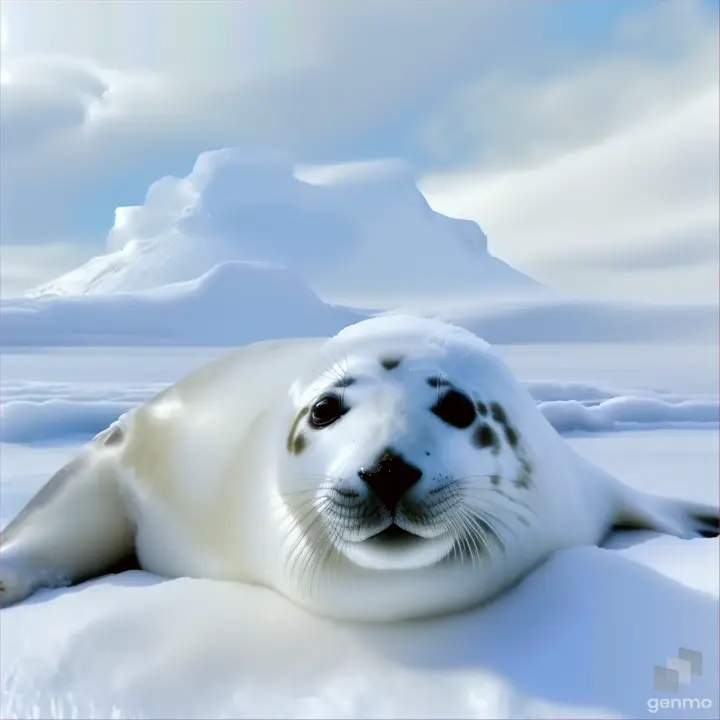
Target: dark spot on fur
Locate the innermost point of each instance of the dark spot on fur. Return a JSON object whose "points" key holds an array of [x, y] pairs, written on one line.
{"points": [[436, 382], [709, 525], [524, 479], [524, 521], [495, 479], [115, 437], [455, 409], [299, 444], [511, 435], [390, 363], [482, 408], [345, 382], [498, 414], [294, 426], [485, 437]]}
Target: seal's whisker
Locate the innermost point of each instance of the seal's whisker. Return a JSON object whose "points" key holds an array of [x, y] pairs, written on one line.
{"points": [[314, 491], [480, 537], [464, 539], [476, 530], [304, 551], [490, 521]]}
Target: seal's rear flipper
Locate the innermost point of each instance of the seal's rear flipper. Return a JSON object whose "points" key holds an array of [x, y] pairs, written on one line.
{"points": [[76, 527], [681, 518]]}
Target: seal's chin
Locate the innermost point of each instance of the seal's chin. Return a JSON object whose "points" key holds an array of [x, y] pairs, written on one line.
{"points": [[397, 549]]}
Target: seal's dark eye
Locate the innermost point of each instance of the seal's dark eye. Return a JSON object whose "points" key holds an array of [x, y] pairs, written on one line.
{"points": [[326, 411], [455, 409]]}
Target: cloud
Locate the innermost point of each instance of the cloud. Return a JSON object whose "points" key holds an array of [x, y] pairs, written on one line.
{"points": [[686, 248], [500, 120], [309, 77], [88, 120], [639, 200]]}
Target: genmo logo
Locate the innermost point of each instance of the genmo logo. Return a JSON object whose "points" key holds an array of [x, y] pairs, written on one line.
{"points": [[678, 672], [656, 704]]}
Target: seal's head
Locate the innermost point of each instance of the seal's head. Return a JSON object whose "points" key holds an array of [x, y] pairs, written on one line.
{"points": [[400, 455]]}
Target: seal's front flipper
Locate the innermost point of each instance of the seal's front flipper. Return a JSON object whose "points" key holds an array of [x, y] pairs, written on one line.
{"points": [[706, 520], [74, 528], [681, 518]]}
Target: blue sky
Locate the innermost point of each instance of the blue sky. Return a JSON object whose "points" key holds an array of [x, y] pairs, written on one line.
{"points": [[100, 99]]}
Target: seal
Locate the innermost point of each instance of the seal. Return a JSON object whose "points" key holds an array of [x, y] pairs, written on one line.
{"points": [[396, 470]]}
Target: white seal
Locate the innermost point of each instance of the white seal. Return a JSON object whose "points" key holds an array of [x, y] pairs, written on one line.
{"points": [[396, 470]]}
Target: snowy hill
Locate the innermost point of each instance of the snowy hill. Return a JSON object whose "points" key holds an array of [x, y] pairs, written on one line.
{"points": [[231, 304], [214, 245], [363, 229]]}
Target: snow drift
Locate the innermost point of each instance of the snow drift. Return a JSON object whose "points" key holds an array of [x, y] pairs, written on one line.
{"points": [[232, 304], [236, 303], [366, 229], [576, 321], [32, 412]]}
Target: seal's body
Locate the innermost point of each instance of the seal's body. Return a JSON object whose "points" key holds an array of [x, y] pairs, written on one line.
{"points": [[396, 470]]}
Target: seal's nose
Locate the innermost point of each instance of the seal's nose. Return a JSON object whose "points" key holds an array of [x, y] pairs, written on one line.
{"points": [[390, 477]]}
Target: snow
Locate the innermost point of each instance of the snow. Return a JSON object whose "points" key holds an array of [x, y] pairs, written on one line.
{"points": [[578, 638], [241, 301], [231, 304], [367, 227], [562, 320], [248, 246], [38, 411]]}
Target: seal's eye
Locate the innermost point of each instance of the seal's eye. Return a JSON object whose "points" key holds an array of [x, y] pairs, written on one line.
{"points": [[326, 411], [455, 409]]}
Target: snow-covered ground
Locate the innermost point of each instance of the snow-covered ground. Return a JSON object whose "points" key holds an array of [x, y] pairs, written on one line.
{"points": [[221, 307], [578, 638]]}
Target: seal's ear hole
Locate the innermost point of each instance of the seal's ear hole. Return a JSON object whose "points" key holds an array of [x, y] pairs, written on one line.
{"points": [[427, 452]]}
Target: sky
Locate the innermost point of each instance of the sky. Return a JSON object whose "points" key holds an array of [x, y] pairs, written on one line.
{"points": [[582, 136]]}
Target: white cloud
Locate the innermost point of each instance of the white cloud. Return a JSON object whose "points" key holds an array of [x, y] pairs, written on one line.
{"points": [[104, 98], [282, 72], [665, 54], [635, 215], [604, 179]]}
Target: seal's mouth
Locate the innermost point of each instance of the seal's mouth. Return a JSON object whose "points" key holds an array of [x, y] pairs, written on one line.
{"points": [[394, 535], [395, 548]]}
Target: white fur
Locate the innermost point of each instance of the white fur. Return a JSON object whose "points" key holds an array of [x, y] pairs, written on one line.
{"points": [[224, 498]]}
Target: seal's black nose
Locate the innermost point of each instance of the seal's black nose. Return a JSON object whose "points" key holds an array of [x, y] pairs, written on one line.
{"points": [[390, 477]]}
